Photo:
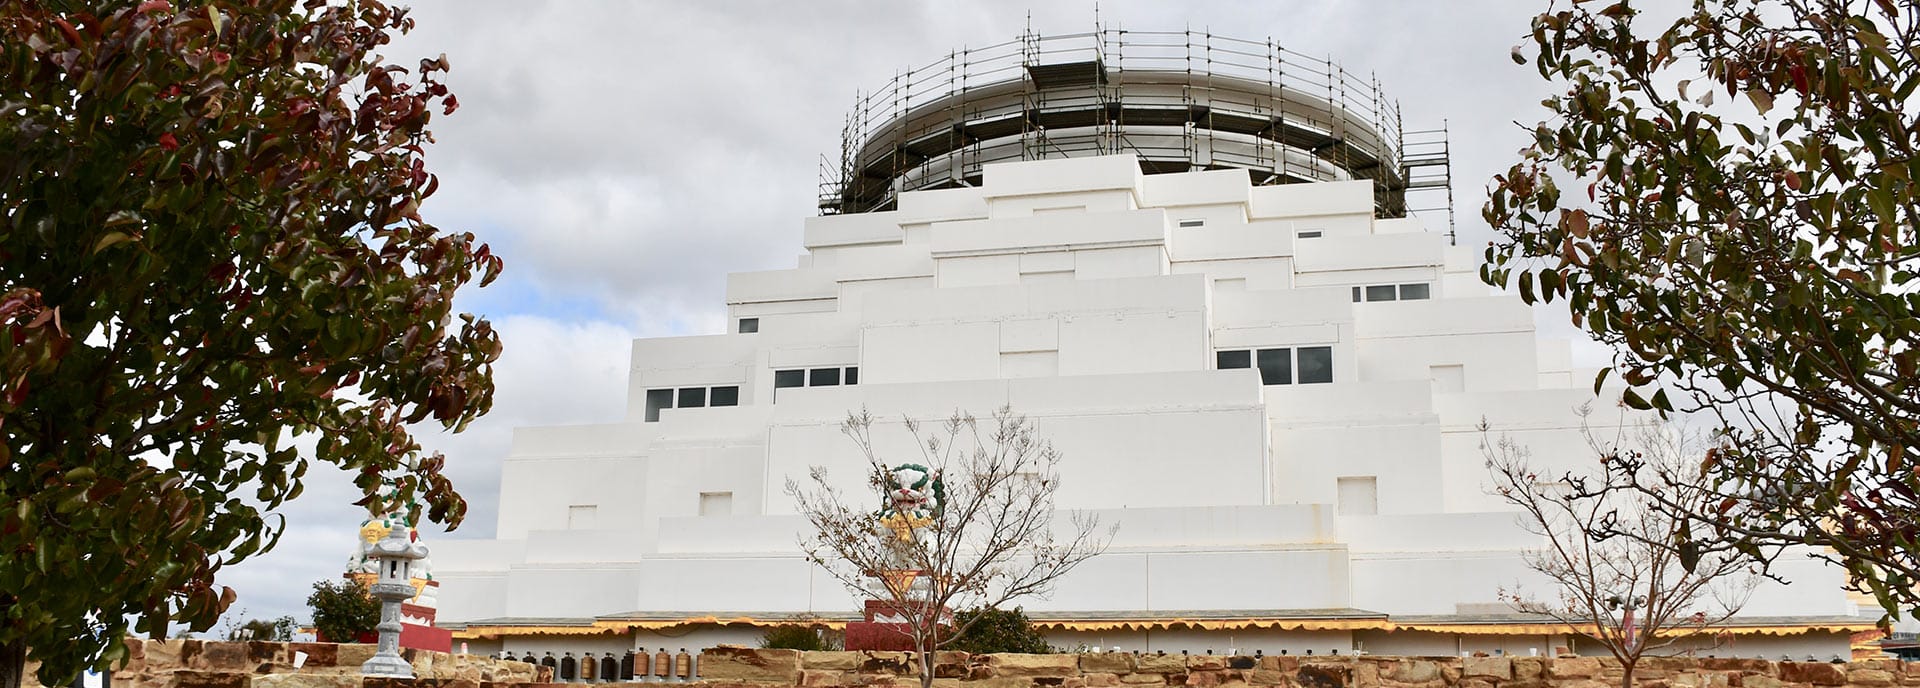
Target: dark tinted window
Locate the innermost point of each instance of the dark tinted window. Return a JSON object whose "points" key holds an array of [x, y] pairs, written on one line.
{"points": [[692, 397], [1413, 292], [749, 325], [853, 376], [1380, 292], [1310, 234], [1225, 360], [724, 396], [1316, 364], [658, 399], [789, 378], [1276, 366], [1356, 295], [823, 377]]}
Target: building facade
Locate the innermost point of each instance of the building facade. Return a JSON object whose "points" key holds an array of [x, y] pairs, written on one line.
{"points": [[1276, 394]]}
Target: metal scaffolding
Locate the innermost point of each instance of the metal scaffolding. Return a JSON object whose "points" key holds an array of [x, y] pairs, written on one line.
{"points": [[1178, 100]]}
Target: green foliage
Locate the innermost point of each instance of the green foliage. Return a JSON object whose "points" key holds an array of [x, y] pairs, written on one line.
{"points": [[986, 631], [1756, 257], [210, 245], [793, 638], [280, 629], [342, 610]]}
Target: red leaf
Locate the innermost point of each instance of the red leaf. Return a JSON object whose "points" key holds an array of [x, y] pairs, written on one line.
{"points": [[153, 5], [167, 142]]}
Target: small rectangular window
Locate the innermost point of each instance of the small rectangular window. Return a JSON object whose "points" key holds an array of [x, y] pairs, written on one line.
{"points": [[658, 399], [1414, 292], [853, 375], [716, 503], [1358, 496], [1193, 223], [724, 396], [1380, 292], [582, 516], [1276, 366], [1227, 360], [1356, 295], [1311, 234], [749, 325], [823, 377], [1316, 364], [691, 397], [789, 378]]}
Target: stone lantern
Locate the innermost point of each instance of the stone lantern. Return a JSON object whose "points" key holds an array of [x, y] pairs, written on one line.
{"points": [[394, 555]]}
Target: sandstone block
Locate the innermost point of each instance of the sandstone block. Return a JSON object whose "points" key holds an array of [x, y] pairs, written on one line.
{"points": [[1160, 664], [1364, 675], [1412, 671], [1107, 662], [1498, 668], [1816, 673], [1528, 668], [831, 660], [1870, 677], [1751, 666], [1206, 662], [1324, 675], [162, 655], [1141, 679], [1102, 680], [1479, 683], [1034, 665], [1242, 662], [820, 677], [999, 682], [195, 678], [727, 663], [1205, 678], [318, 654], [305, 681], [1287, 663], [890, 663], [352, 655], [1267, 677]]}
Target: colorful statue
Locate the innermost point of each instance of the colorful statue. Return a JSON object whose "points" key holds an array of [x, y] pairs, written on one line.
{"points": [[362, 568], [913, 498]]}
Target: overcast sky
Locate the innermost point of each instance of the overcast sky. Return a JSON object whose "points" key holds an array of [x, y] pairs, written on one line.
{"points": [[625, 156]]}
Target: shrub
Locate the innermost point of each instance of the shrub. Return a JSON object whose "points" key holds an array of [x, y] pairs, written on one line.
{"points": [[793, 638], [997, 630], [342, 610]]}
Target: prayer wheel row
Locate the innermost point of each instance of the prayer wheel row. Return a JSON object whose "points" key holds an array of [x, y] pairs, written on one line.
{"points": [[636, 665]]}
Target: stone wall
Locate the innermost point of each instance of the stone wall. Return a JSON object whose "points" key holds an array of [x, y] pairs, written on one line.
{"points": [[741, 667], [210, 664]]}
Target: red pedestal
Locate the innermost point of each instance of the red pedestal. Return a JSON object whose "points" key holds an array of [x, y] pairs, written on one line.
{"points": [[881, 630]]}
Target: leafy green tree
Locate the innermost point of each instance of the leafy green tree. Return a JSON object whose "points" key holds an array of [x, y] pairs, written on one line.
{"points": [[343, 610], [210, 247], [1738, 223], [988, 631]]}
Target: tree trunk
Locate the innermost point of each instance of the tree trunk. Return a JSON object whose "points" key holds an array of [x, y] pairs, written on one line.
{"points": [[1626, 675], [926, 666], [13, 663]]}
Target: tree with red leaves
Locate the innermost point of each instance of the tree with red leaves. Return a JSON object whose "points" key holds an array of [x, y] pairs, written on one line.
{"points": [[210, 249]]}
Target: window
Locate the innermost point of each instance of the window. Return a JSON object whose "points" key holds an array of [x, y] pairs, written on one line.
{"points": [[1305, 365], [1358, 496], [692, 397], [749, 325], [716, 503], [658, 399], [1448, 378], [1276, 366], [1193, 223], [815, 377], [582, 516], [1311, 234], [1316, 365], [1391, 292]]}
